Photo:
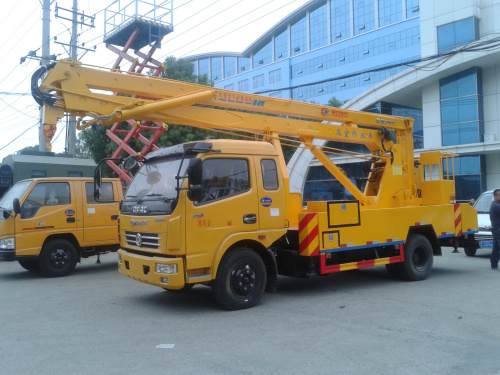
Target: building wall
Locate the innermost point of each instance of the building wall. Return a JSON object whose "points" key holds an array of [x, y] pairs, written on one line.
{"points": [[321, 70]]}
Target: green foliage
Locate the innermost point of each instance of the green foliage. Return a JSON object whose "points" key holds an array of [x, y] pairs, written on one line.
{"points": [[334, 102], [29, 148]]}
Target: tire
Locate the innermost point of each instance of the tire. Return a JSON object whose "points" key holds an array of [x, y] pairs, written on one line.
{"points": [[470, 251], [58, 258], [30, 265], [418, 259], [241, 279]]}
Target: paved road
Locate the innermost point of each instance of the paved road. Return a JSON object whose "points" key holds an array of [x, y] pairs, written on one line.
{"points": [[97, 321]]}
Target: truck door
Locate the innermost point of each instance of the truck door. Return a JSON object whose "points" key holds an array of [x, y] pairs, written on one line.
{"points": [[100, 218], [229, 206], [271, 196], [50, 207]]}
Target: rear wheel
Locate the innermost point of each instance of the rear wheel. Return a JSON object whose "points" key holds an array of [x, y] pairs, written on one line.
{"points": [[470, 251], [241, 279], [30, 265], [418, 258], [58, 258]]}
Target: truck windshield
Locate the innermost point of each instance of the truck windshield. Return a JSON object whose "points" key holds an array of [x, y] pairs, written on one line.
{"points": [[16, 191], [156, 180], [484, 202]]}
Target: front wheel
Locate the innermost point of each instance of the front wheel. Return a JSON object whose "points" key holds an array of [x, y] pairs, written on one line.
{"points": [[241, 279], [470, 251], [418, 258], [58, 258]]}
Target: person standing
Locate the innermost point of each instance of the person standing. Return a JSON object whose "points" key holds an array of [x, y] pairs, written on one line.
{"points": [[495, 229]]}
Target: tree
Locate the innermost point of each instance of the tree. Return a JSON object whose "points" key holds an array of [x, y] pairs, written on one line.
{"points": [[334, 102], [94, 143]]}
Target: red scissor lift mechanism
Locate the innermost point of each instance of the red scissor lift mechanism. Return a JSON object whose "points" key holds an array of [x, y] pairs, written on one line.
{"points": [[135, 127]]}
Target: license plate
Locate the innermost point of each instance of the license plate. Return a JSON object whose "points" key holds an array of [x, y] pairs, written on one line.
{"points": [[485, 243]]}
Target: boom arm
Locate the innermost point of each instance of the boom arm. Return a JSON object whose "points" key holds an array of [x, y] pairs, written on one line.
{"points": [[82, 92]]}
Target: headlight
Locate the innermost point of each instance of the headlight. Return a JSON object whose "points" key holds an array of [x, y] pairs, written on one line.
{"points": [[119, 258], [166, 268], [8, 243]]}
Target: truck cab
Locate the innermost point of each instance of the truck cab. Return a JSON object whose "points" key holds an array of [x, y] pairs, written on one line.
{"points": [[49, 224]]}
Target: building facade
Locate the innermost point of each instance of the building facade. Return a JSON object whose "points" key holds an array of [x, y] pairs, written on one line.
{"points": [[433, 61]]}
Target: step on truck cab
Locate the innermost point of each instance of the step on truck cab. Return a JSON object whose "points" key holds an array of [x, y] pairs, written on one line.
{"points": [[49, 224]]}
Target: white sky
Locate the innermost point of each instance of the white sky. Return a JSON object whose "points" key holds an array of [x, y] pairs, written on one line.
{"points": [[199, 26]]}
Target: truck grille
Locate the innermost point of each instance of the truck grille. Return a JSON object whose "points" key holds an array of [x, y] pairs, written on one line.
{"points": [[144, 240], [483, 237]]}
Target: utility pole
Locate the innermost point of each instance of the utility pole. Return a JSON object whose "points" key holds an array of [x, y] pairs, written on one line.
{"points": [[42, 143], [71, 130], [73, 54]]}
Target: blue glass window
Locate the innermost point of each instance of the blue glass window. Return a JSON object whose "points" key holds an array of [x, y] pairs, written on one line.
{"points": [[195, 67], [243, 85], [461, 108], [298, 35], [412, 8], [263, 56], [229, 66], [243, 64], [340, 18], [274, 76], [456, 34], [470, 176], [229, 87], [318, 29], [364, 16], [203, 66], [387, 108], [281, 46], [389, 11], [258, 81], [216, 68]]}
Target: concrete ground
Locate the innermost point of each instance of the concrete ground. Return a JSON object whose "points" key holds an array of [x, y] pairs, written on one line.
{"points": [[97, 321]]}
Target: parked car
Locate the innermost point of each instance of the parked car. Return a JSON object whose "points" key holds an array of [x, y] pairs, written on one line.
{"points": [[484, 235]]}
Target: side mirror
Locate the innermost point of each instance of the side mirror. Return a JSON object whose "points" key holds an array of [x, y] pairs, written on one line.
{"points": [[195, 193], [130, 162], [97, 184], [195, 172], [17, 206]]}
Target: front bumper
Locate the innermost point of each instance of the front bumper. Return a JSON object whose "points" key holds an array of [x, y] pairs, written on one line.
{"points": [[7, 255], [143, 268]]}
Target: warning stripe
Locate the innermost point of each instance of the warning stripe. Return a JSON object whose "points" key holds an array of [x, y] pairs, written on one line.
{"points": [[308, 235], [458, 219], [362, 264], [306, 242]]}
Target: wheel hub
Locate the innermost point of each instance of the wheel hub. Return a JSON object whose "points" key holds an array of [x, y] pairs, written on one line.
{"points": [[419, 259], [59, 258], [243, 280]]}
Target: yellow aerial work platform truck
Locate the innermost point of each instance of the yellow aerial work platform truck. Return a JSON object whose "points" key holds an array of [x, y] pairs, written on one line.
{"points": [[220, 212], [49, 224]]}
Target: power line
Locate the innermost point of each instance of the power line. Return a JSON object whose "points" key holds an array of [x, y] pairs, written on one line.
{"points": [[248, 23], [32, 126]]}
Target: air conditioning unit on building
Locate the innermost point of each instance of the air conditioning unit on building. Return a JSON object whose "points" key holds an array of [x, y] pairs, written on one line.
{"points": [[489, 138]]}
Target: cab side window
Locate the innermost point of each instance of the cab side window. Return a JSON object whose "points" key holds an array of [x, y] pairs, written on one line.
{"points": [[107, 194], [269, 174], [45, 194], [224, 178]]}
